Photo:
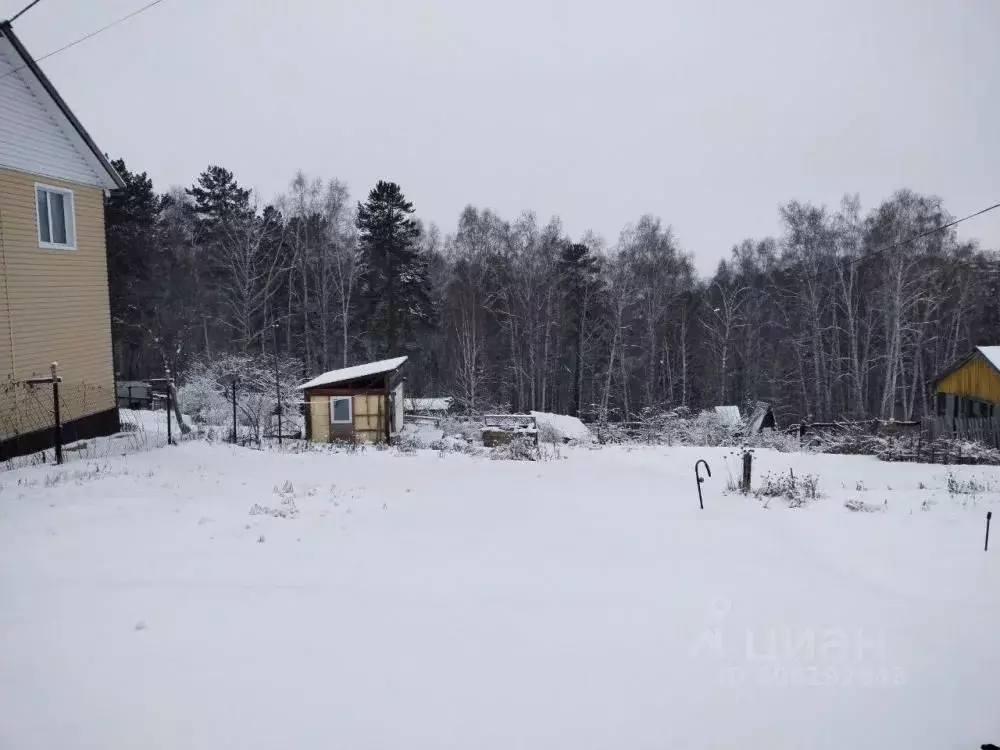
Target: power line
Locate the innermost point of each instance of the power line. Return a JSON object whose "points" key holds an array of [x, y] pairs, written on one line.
{"points": [[92, 34], [83, 38], [24, 10], [941, 228], [920, 235]]}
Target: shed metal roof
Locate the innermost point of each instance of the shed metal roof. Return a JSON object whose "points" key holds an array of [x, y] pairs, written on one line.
{"points": [[354, 373], [992, 354]]}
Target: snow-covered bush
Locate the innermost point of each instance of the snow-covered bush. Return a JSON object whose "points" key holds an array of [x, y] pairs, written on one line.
{"points": [[467, 428], [796, 491], [206, 394], [453, 444], [965, 485], [782, 442], [675, 427], [407, 442], [518, 449], [203, 397]]}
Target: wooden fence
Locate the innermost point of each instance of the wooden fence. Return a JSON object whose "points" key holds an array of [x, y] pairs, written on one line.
{"points": [[985, 431]]}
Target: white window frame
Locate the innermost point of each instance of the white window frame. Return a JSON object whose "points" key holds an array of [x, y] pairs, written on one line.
{"points": [[70, 218], [350, 410]]}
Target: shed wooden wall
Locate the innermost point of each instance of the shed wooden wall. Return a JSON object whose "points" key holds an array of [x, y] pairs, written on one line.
{"points": [[53, 307], [975, 379], [369, 416]]}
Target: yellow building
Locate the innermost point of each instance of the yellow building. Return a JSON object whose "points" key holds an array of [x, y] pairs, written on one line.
{"points": [[361, 404], [53, 263], [971, 388]]}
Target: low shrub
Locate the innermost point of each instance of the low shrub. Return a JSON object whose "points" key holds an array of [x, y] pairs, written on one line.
{"points": [[859, 506], [518, 449], [796, 491]]}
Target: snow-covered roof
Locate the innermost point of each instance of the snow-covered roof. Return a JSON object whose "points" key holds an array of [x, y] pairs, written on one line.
{"points": [[354, 373], [441, 403], [729, 415], [992, 354]]}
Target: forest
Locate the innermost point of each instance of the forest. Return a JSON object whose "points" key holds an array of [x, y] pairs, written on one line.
{"points": [[848, 314]]}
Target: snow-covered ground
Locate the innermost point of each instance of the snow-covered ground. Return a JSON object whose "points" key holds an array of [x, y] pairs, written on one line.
{"points": [[421, 601]]}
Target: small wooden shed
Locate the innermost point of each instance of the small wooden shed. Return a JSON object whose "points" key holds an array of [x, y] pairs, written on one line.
{"points": [[357, 404], [970, 389]]}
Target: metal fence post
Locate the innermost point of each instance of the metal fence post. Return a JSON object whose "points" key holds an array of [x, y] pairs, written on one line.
{"points": [[170, 440], [234, 411], [277, 379], [55, 412]]}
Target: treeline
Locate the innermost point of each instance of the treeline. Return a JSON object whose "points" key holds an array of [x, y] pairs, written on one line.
{"points": [[848, 313]]}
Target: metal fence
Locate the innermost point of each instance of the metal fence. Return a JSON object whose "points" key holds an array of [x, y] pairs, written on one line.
{"points": [[246, 412], [52, 420]]}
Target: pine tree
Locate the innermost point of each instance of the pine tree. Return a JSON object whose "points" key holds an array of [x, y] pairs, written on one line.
{"points": [[395, 287], [131, 217], [578, 273], [219, 201]]}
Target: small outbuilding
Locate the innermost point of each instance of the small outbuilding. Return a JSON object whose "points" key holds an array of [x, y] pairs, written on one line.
{"points": [[761, 419], [437, 406], [970, 389], [357, 404]]}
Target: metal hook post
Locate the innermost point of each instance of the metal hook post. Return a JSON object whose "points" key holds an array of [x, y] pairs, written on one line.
{"points": [[701, 503]]}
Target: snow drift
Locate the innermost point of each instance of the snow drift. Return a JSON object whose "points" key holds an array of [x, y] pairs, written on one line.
{"points": [[561, 427]]}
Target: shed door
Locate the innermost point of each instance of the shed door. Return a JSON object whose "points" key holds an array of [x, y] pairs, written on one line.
{"points": [[369, 418], [319, 419]]}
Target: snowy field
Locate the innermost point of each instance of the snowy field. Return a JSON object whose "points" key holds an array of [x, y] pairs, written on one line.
{"points": [[382, 600]]}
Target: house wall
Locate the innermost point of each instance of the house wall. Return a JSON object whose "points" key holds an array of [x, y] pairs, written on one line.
{"points": [[54, 308], [31, 139], [976, 380]]}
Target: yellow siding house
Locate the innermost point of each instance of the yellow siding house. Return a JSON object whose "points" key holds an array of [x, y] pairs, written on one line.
{"points": [[53, 263], [971, 388]]}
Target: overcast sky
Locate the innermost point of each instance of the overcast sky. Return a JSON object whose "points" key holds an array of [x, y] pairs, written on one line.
{"points": [[706, 114]]}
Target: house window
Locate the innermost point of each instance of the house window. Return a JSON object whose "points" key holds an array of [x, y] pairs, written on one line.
{"points": [[56, 220], [340, 409]]}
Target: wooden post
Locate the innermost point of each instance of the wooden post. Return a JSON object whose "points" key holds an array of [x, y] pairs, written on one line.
{"points": [[747, 469], [55, 412]]}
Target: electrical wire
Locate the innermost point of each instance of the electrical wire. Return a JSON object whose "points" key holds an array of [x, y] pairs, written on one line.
{"points": [[24, 10], [85, 37], [920, 235]]}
